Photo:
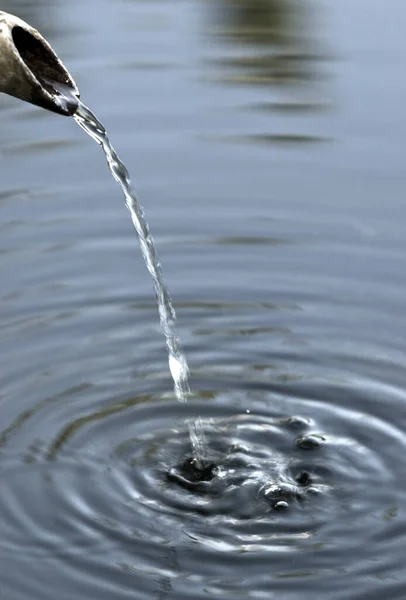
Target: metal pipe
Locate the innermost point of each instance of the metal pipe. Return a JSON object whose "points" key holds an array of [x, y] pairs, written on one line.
{"points": [[30, 69]]}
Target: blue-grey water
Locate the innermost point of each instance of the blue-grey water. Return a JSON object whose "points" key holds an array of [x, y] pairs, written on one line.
{"points": [[266, 140]]}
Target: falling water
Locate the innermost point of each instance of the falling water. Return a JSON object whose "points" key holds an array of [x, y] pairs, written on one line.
{"points": [[177, 361]]}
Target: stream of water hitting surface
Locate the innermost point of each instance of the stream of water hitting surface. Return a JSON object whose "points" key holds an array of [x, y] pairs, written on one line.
{"points": [[177, 361], [307, 499]]}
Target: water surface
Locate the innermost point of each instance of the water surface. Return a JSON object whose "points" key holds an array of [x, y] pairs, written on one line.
{"points": [[269, 155]]}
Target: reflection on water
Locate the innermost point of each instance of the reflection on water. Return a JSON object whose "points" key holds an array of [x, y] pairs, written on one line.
{"points": [[259, 21], [273, 39], [274, 139], [271, 44]]}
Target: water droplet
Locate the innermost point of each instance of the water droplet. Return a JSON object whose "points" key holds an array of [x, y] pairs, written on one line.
{"points": [[297, 422], [279, 490], [282, 505], [310, 441]]}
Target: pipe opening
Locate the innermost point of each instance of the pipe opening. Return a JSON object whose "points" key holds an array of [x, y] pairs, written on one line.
{"points": [[41, 62]]}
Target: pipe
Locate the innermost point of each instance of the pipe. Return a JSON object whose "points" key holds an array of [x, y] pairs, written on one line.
{"points": [[30, 69]]}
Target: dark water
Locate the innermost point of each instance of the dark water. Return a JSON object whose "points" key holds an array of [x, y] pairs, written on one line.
{"points": [[267, 145]]}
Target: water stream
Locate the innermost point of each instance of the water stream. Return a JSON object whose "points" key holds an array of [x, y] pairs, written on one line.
{"points": [[177, 361]]}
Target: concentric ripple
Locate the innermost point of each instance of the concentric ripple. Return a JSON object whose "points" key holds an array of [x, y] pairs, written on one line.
{"points": [[292, 487]]}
